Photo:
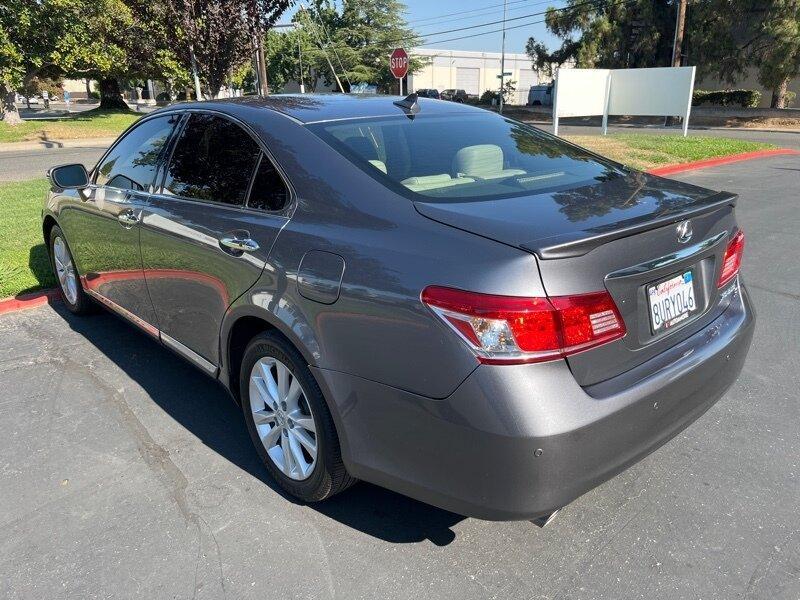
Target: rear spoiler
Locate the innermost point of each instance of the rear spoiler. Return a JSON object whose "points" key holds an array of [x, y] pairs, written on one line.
{"points": [[583, 242]]}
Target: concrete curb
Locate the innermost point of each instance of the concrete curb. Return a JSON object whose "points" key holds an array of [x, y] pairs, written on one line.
{"points": [[722, 160], [32, 300], [49, 144]]}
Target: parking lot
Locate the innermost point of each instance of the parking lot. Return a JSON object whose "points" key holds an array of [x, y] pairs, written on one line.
{"points": [[126, 473]]}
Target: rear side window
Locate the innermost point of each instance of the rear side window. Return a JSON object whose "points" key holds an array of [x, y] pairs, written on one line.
{"points": [[213, 160], [131, 164], [269, 191]]}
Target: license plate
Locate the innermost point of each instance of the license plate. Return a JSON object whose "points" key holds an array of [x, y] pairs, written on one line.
{"points": [[672, 301]]}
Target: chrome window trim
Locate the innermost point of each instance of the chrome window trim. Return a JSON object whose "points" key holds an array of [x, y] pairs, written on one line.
{"points": [[292, 200]]}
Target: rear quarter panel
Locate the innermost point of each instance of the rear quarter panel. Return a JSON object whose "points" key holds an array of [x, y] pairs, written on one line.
{"points": [[378, 329]]}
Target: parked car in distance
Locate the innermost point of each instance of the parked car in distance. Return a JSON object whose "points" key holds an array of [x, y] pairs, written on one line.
{"points": [[428, 93], [454, 95], [432, 298], [540, 95]]}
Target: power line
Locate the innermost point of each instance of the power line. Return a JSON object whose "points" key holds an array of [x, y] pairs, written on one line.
{"points": [[333, 47], [529, 15], [485, 11], [464, 37], [322, 47], [427, 41], [427, 38]]}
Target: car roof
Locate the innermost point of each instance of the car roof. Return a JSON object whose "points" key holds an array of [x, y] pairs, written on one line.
{"points": [[313, 108]]}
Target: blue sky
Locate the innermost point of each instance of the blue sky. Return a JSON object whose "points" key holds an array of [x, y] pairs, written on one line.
{"points": [[426, 18], [430, 18]]}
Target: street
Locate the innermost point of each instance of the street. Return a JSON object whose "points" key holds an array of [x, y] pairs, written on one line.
{"points": [[31, 163], [127, 473]]}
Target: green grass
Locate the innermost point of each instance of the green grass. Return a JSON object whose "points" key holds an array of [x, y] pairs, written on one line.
{"points": [[89, 124], [644, 151], [24, 264]]}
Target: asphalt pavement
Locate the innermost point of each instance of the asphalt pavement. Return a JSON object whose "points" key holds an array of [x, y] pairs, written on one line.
{"points": [[126, 473], [32, 163]]}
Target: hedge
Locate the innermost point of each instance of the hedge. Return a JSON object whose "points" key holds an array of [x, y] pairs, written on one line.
{"points": [[744, 98]]}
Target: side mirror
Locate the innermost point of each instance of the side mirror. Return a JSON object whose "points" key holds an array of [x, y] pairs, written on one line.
{"points": [[68, 176]]}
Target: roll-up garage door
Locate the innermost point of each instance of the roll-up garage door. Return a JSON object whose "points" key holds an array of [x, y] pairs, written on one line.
{"points": [[468, 79], [527, 78]]}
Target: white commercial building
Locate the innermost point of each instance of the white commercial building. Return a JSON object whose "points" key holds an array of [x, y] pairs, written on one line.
{"points": [[474, 72]]}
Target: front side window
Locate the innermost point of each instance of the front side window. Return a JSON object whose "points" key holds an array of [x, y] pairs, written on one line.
{"points": [[463, 157], [213, 160], [131, 164]]}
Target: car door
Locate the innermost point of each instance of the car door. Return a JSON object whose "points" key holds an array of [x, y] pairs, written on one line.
{"points": [[207, 234], [102, 225]]}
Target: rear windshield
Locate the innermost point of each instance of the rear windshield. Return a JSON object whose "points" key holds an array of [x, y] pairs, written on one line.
{"points": [[463, 157]]}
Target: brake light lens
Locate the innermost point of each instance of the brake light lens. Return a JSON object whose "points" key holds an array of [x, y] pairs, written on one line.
{"points": [[732, 260], [510, 329]]}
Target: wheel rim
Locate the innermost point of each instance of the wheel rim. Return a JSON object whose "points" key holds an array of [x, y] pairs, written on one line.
{"points": [[283, 418], [65, 270]]}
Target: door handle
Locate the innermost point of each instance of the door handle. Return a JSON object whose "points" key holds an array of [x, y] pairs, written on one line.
{"points": [[128, 218], [240, 244]]}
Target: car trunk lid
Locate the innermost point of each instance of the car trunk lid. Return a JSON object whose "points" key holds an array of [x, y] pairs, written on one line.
{"points": [[619, 235]]}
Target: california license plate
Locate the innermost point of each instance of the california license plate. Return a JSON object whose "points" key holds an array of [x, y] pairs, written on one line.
{"points": [[672, 301]]}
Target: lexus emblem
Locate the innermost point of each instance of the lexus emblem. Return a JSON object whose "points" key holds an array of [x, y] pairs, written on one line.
{"points": [[684, 231]]}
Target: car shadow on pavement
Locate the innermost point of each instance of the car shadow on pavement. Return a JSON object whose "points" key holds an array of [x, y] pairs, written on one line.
{"points": [[179, 389], [39, 265]]}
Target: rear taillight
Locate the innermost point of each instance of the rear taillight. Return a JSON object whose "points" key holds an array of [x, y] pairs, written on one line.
{"points": [[510, 329], [732, 259]]}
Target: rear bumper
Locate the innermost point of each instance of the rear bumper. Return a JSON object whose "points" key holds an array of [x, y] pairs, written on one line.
{"points": [[517, 442]]}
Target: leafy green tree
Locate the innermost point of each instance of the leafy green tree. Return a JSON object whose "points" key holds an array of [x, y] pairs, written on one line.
{"points": [[356, 38], [728, 37], [212, 39], [608, 35], [725, 38], [98, 39], [12, 72], [284, 50]]}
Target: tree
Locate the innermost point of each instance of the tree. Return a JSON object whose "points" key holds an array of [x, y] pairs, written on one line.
{"points": [[11, 73], [99, 39], [729, 37], [608, 34], [262, 15], [356, 39], [725, 38], [283, 50], [211, 38]]}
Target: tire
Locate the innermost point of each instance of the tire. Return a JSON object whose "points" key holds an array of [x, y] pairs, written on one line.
{"points": [[280, 426], [75, 299]]}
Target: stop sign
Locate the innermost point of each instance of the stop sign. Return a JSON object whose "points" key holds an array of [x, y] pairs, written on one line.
{"points": [[398, 63]]}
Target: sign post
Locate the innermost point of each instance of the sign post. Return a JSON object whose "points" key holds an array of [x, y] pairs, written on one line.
{"points": [[398, 65]]}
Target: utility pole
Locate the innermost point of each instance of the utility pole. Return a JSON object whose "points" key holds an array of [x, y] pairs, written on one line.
{"points": [[263, 89], [503, 56], [680, 20], [300, 56]]}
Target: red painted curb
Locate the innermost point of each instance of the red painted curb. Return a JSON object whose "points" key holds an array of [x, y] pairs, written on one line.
{"points": [[722, 160], [25, 301]]}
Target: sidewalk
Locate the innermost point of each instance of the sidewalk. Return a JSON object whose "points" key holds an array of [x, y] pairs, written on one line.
{"points": [[103, 142]]}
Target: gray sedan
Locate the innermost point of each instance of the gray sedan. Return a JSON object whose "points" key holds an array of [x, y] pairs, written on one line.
{"points": [[424, 295]]}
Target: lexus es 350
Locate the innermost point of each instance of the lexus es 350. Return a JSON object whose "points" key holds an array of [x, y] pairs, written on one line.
{"points": [[424, 295]]}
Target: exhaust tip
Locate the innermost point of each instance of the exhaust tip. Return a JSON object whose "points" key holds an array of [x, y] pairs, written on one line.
{"points": [[545, 520]]}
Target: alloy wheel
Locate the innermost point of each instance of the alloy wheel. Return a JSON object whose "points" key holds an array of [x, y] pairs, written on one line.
{"points": [[283, 418], [65, 270]]}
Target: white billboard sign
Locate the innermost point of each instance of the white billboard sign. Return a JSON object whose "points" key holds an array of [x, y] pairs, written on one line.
{"points": [[663, 91]]}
